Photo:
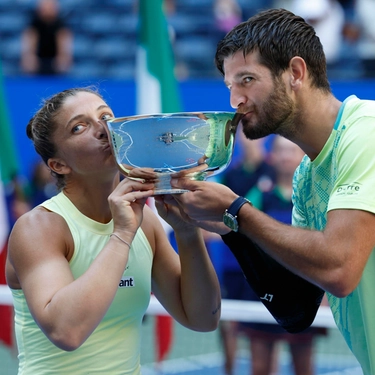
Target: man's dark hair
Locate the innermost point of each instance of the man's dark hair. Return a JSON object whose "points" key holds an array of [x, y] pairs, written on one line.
{"points": [[278, 35]]}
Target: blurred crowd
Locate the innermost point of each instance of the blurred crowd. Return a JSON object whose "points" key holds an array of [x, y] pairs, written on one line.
{"points": [[73, 38], [345, 28], [23, 193]]}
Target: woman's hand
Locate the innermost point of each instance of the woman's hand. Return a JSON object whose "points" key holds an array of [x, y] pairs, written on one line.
{"points": [[126, 203]]}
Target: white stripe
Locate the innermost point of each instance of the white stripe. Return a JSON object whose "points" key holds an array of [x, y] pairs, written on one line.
{"points": [[4, 226], [148, 87]]}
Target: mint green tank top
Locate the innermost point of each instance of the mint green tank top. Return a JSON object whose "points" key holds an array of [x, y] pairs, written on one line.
{"points": [[343, 177], [114, 347]]}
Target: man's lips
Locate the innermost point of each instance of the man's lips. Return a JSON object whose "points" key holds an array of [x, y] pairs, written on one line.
{"points": [[248, 113]]}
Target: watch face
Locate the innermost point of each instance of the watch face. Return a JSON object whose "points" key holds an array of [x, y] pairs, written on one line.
{"points": [[230, 221]]}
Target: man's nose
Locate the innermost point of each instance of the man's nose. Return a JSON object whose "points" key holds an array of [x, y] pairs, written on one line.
{"points": [[237, 99]]}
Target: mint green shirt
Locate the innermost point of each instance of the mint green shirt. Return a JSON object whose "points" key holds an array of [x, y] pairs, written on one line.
{"points": [[114, 347], [343, 177]]}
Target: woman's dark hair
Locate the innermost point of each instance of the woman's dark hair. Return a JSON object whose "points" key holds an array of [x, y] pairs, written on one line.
{"points": [[42, 125], [278, 35]]}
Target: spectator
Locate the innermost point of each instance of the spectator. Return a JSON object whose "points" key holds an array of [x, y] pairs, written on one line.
{"points": [[16, 198], [251, 169], [46, 42], [42, 184], [365, 11], [328, 19], [351, 66], [227, 15]]}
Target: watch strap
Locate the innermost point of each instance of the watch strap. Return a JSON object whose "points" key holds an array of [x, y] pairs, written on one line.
{"points": [[236, 205]]}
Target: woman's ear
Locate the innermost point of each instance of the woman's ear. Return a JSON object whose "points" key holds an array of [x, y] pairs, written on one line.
{"points": [[58, 166], [298, 69]]}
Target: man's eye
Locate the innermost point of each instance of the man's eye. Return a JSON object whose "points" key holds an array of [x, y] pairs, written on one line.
{"points": [[106, 116], [248, 79]]}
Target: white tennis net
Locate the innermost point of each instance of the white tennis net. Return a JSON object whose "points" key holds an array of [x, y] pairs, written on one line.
{"points": [[194, 353]]}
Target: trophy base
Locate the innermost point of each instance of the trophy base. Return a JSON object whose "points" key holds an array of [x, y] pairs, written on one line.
{"points": [[163, 185], [169, 191]]}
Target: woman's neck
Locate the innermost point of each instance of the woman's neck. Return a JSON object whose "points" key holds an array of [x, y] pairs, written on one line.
{"points": [[91, 199]]}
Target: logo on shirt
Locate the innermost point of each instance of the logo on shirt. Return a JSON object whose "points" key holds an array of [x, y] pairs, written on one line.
{"points": [[127, 282], [348, 189]]}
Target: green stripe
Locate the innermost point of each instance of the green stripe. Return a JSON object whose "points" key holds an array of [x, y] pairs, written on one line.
{"points": [[154, 37], [8, 157]]}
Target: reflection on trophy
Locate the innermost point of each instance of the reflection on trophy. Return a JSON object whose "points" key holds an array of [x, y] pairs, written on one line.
{"points": [[158, 147]]}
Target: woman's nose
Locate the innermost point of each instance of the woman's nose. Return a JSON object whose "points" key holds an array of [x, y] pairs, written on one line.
{"points": [[102, 130]]}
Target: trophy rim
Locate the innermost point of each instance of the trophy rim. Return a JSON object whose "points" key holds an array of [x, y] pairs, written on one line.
{"points": [[169, 114]]}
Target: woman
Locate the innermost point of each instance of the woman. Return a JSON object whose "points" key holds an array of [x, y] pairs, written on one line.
{"points": [[82, 265]]}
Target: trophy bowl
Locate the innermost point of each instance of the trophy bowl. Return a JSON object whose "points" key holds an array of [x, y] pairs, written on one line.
{"points": [[158, 147]]}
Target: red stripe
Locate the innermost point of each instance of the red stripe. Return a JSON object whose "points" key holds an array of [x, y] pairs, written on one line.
{"points": [[6, 312], [164, 336]]}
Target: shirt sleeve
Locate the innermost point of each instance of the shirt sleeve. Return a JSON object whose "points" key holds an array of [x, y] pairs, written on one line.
{"points": [[298, 218], [355, 163]]}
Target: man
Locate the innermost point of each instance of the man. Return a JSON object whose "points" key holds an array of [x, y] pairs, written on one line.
{"points": [[275, 69]]}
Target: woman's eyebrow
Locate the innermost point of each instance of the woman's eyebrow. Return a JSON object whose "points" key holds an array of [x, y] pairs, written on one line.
{"points": [[77, 117]]}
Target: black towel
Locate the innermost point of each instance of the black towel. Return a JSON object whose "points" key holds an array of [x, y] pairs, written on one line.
{"points": [[292, 300]]}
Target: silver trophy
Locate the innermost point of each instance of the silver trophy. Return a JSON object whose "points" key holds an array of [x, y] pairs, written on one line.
{"points": [[158, 147]]}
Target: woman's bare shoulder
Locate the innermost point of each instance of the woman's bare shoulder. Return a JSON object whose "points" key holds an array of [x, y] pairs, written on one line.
{"points": [[42, 226], [38, 236], [39, 217]]}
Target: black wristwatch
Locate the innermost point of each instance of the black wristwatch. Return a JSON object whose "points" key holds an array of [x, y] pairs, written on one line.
{"points": [[230, 215]]}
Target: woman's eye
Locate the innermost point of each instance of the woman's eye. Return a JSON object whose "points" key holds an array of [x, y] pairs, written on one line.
{"points": [[77, 128]]}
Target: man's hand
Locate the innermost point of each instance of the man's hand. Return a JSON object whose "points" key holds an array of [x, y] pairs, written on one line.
{"points": [[205, 201]]}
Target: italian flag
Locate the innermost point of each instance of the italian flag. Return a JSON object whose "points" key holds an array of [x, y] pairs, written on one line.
{"points": [[157, 89], [157, 92], [8, 169]]}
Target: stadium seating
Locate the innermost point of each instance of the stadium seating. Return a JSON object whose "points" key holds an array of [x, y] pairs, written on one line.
{"points": [[105, 36]]}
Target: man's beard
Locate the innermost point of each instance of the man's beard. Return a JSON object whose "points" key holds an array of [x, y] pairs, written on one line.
{"points": [[276, 116]]}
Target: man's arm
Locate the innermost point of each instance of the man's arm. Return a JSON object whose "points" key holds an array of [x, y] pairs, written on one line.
{"points": [[333, 259], [29, 60], [64, 56]]}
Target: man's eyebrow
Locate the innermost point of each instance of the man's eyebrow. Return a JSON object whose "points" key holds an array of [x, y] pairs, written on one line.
{"points": [[237, 77]]}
